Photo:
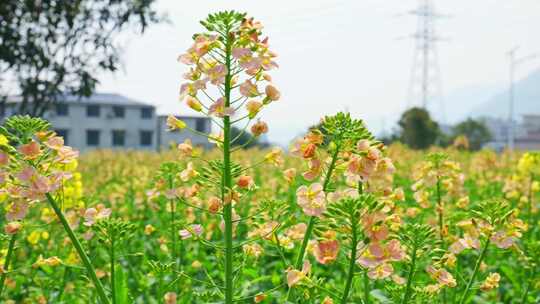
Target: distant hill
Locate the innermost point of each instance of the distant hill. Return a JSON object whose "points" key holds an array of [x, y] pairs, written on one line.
{"points": [[460, 103], [527, 99]]}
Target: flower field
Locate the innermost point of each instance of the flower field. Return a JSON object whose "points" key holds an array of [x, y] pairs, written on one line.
{"points": [[338, 217]]}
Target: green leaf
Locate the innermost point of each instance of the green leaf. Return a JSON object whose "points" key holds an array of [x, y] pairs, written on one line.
{"points": [[122, 291]]}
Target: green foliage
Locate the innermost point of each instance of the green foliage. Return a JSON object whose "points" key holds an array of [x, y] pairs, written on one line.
{"points": [[437, 158], [45, 45], [418, 130], [475, 130], [343, 127], [122, 290], [223, 21], [113, 231], [345, 214], [419, 236], [494, 211], [21, 128], [212, 173]]}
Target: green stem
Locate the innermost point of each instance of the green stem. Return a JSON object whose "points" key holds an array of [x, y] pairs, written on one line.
{"points": [[172, 208], [113, 281], [410, 277], [526, 292], [352, 264], [441, 225], [227, 181], [64, 282], [78, 247], [7, 262], [475, 271], [366, 288], [311, 224]]}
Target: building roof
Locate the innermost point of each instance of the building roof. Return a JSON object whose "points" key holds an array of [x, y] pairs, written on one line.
{"points": [[100, 98]]}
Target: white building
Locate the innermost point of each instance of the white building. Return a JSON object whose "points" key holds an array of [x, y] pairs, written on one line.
{"points": [[526, 132], [111, 121], [200, 124]]}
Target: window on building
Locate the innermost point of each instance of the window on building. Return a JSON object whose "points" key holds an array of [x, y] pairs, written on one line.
{"points": [[200, 124], [118, 138], [92, 137], [146, 138], [62, 109], [93, 110], [64, 133], [147, 112], [2, 109], [119, 111]]}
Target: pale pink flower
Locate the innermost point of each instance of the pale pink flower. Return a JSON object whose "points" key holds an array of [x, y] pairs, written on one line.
{"points": [[297, 231], [170, 298], [66, 155], [289, 175], [12, 228], [272, 92], [326, 251], [241, 53], [259, 128], [312, 199], [185, 148], [193, 230], [217, 74], [17, 211], [381, 271], [30, 150], [315, 169], [363, 145], [374, 226], [502, 240], [188, 173], [295, 276], [467, 242], [249, 89], [491, 282], [4, 159], [55, 142], [253, 107], [218, 109], [442, 276], [92, 215]]}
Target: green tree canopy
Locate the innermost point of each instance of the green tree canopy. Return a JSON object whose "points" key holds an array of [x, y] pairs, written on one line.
{"points": [[53, 47], [417, 129], [475, 130]]}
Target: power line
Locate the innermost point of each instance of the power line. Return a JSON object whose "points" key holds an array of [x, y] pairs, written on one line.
{"points": [[425, 82]]}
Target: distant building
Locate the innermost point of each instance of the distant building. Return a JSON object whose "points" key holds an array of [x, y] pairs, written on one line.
{"points": [[199, 124], [110, 121], [526, 132]]}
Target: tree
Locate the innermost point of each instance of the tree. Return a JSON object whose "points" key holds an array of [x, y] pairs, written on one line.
{"points": [[418, 130], [476, 132], [52, 47]]}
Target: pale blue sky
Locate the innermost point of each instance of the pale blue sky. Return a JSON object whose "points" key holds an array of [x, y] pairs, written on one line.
{"points": [[337, 55]]}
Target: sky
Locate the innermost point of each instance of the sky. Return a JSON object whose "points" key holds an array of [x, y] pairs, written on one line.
{"points": [[337, 55]]}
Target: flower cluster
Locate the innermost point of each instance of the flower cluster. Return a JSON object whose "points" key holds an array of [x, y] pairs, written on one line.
{"points": [[439, 172], [32, 166]]}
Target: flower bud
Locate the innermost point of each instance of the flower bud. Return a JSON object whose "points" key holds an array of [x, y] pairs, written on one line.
{"points": [[272, 92], [175, 124], [259, 128], [193, 103], [12, 228]]}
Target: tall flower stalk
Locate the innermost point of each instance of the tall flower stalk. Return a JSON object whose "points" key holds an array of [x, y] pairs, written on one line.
{"points": [[7, 262], [233, 58]]}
